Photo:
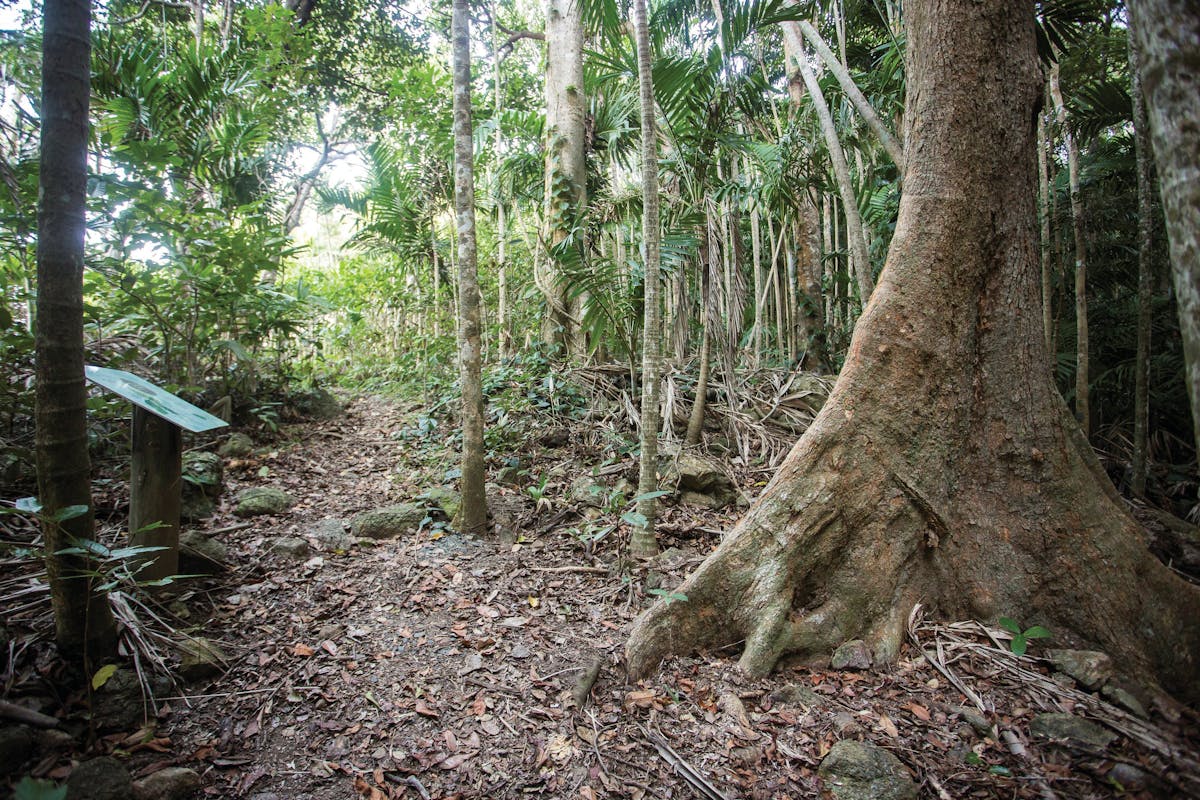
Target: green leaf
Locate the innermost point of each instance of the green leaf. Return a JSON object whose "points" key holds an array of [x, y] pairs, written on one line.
{"points": [[33, 789], [1000, 770], [29, 505], [69, 512], [102, 675], [1019, 644], [1010, 624], [1037, 632], [635, 519], [650, 496]]}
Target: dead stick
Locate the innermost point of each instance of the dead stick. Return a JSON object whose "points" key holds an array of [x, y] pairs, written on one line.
{"points": [[27, 715]]}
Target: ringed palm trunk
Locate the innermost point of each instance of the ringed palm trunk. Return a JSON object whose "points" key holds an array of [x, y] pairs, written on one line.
{"points": [[944, 469], [1141, 390], [642, 543], [474, 506], [84, 624]]}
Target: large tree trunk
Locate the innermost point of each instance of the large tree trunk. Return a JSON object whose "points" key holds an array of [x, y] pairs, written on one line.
{"points": [[1168, 32], [566, 165], [474, 505], [83, 621], [944, 469]]}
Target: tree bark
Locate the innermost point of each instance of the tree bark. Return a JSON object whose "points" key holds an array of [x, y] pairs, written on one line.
{"points": [[474, 505], [1168, 34], [566, 164], [1141, 386], [944, 468], [84, 624], [642, 543]]}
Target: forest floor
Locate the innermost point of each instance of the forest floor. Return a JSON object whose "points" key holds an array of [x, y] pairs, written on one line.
{"points": [[435, 665]]}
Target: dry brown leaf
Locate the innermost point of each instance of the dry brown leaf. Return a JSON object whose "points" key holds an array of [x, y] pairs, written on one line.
{"points": [[888, 726], [302, 650], [919, 711]]}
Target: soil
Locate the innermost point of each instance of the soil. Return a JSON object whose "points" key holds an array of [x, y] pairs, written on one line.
{"points": [[440, 666]]}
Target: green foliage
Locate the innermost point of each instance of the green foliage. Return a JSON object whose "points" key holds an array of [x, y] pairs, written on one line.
{"points": [[37, 789], [1020, 638]]}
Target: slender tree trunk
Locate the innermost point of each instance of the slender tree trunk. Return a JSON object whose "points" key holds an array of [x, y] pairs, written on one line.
{"points": [[642, 543], [864, 108], [504, 328], [474, 502], [695, 426], [944, 469], [1141, 390], [83, 622], [759, 286], [566, 165], [841, 172], [1083, 412], [1168, 34], [1044, 216]]}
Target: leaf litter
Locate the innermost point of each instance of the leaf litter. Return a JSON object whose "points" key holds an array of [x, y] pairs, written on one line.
{"points": [[440, 666]]}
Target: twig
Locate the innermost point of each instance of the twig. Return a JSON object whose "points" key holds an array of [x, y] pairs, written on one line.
{"points": [[681, 766], [27, 715], [561, 570]]}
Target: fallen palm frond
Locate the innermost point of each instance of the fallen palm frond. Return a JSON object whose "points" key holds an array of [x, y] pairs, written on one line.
{"points": [[981, 647], [761, 413]]}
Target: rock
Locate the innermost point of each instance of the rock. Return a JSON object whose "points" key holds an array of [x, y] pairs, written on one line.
{"points": [[1071, 728], [292, 547], [330, 534], [388, 522], [976, 720], [202, 474], [445, 499], [200, 554], [853, 654], [102, 778], [586, 491], [262, 500], [862, 771], [692, 472], [118, 704], [795, 694], [238, 445], [172, 783], [317, 403], [53, 740], [1118, 696], [200, 658], [1129, 778], [555, 437], [702, 500], [513, 475], [16, 747], [1090, 668]]}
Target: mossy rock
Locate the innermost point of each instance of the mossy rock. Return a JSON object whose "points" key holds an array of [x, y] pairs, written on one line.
{"points": [[200, 554], [263, 500], [445, 499], [202, 475], [199, 659], [388, 522], [238, 445], [317, 403], [102, 778], [863, 771]]}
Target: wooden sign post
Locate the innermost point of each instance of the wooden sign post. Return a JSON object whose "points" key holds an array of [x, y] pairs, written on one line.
{"points": [[156, 474]]}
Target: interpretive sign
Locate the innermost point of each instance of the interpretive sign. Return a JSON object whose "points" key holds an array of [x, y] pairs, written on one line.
{"points": [[156, 474], [157, 401]]}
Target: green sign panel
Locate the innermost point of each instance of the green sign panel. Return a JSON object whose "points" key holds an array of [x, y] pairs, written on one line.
{"points": [[155, 400]]}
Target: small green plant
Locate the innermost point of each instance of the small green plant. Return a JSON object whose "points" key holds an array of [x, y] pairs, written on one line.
{"points": [[36, 789], [668, 596], [1020, 638]]}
